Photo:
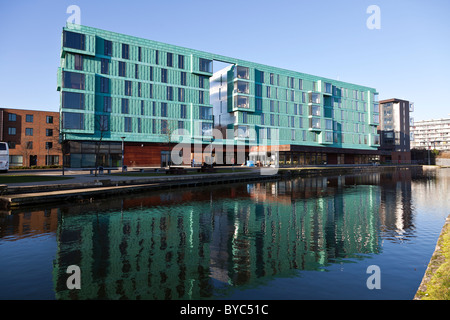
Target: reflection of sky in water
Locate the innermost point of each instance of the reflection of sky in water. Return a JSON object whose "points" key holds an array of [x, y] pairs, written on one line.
{"points": [[296, 239]]}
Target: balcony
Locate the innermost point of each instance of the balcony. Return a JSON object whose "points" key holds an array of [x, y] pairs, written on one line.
{"points": [[315, 111], [314, 124], [242, 73], [241, 102], [314, 98], [241, 87]]}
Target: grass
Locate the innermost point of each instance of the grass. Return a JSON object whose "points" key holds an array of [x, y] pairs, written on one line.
{"points": [[438, 287], [29, 178]]}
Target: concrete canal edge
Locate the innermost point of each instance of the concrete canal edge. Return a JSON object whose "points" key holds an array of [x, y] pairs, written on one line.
{"points": [[22, 196], [435, 284], [101, 187]]}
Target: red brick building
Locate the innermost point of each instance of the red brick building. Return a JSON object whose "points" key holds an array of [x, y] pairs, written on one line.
{"points": [[32, 136]]}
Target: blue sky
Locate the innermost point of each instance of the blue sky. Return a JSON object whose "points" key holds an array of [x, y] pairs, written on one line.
{"points": [[407, 58]]}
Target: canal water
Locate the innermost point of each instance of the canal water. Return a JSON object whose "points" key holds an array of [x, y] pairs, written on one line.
{"points": [[301, 238]]}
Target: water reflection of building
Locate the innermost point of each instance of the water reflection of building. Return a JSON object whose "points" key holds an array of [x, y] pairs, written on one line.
{"points": [[198, 247], [28, 223], [396, 216]]}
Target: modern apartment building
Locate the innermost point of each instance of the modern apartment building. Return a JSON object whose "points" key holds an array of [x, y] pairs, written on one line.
{"points": [[431, 134], [121, 89], [394, 130], [32, 136]]}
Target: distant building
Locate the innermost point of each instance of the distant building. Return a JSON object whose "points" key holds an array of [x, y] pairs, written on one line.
{"points": [[32, 136], [431, 134], [394, 130]]}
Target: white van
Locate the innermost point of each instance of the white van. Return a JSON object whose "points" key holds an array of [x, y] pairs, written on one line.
{"points": [[4, 157]]}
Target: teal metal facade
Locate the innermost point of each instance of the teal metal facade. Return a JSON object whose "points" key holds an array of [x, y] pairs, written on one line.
{"points": [[114, 85]]}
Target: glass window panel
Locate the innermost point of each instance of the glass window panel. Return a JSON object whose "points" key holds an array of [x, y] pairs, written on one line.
{"points": [[72, 100], [205, 65], [74, 40], [73, 80], [73, 120]]}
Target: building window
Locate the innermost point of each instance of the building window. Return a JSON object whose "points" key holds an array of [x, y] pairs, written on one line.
{"points": [[205, 65], [139, 89], [125, 51], [164, 75], [78, 62], [241, 102], [242, 72], [12, 131], [183, 111], [49, 119], [169, 59], [157, 57], [11, 145], [258, 105], [170, 93], [73, 80], [15, 161], [241, 87], [139, 126], [206, 129], [51, 160], [122, 69], [74, 40], [244, 117], [163, 109], [153, 126], [315, 110], [28, 131], [12, 117], [29, 145], [49, 132], [314, 123], [128, 88], [180, 124], [127, 124], [183, 78], [72, 100], [139, 53], [180, 61], [29, 118], [201, 97], [103, 123], [164, 127], [73, 120], [150, 91], [107, 48], [104, 85], [242, 132], [205, 113], [104, 66], [181, 97], [125, 106], [106, 104], [48, 145]]}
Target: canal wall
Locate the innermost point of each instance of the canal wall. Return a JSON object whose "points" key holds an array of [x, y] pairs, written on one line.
{"points": [[21, 196], [437, 261], [100, 187]]}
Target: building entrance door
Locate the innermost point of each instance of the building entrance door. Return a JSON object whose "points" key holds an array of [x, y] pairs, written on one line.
{"points": [[33, 160], [165, 158]]}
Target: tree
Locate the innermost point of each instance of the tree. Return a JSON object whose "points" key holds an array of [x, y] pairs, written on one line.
{"points": [[101, 122]]}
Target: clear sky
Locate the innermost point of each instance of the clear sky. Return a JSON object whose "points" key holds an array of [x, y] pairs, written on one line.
{"points": [[407, 58]]}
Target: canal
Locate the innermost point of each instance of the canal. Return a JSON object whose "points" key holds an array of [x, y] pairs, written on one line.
{"points": [[300, 238]]}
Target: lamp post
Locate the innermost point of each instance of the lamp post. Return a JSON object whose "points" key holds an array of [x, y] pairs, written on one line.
{"points": [[123, 152]]}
